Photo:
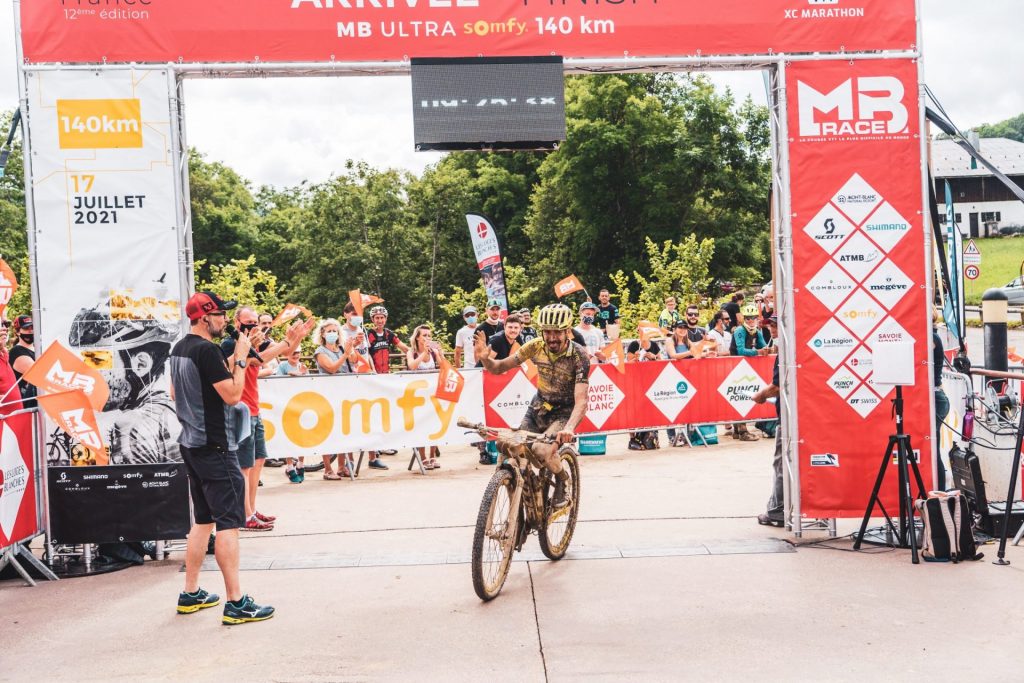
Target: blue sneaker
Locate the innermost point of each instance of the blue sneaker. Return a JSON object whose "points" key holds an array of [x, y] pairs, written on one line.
{"points": [[294, 476], [377, 464], [301, 471], [245, 610], [193, 602]]}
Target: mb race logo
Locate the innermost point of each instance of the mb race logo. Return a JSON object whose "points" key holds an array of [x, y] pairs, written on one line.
{"points": [[867, 107]]}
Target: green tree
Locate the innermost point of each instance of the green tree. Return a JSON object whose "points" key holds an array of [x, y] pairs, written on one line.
{"points": [[243, 281], [13, 233], [223, 212], [1012, 128], [518, 282]]}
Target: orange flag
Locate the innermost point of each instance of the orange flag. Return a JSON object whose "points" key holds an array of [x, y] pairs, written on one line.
{"points": [[1011, 354], [450, 382], [290, 312], [8, 285], [73, 411], [647, 330], [359, 364], [360, 300], [615, 355], [568, 286], [59, 370]]}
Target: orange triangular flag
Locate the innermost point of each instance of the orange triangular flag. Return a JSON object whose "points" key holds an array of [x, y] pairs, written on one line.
{"points": [[8, 285], [73, 411], [59, 370], [450, 382], [359, 363], [290, 312], [360, 300], [614, 354], [647, 330], [1011, 354], [568, 286]]}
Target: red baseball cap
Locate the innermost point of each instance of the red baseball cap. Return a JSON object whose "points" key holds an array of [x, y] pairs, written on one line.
{"points": [[23, 322], [203, 303]]}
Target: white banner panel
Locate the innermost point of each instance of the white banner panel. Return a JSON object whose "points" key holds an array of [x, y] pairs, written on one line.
{"points": [[106, 242], [325, 414]]}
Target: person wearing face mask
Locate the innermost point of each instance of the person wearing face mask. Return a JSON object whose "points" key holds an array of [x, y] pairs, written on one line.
{"points": [[591, 335], [206, 389], [747, 341], [11, 397], [464, 354], [330, 359], [22, 355]]}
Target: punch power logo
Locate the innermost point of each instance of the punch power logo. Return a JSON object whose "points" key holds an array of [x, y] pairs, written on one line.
{"points": [[99, 124], [864, 107]]}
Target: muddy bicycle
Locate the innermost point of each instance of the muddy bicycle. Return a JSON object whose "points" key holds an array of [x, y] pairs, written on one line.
{"points": [[518, 501]]}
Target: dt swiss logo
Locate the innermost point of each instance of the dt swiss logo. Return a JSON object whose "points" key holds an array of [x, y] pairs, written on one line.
{"points": [[857, 107], [481, 230]]}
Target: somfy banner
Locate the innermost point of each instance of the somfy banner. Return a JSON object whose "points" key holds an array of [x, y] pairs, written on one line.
{"points": [[327, 414], [859, 278], [103, 192], [161, 31]]}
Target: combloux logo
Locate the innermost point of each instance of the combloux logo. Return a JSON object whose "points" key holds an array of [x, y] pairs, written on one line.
{"points": [[857, 111]]}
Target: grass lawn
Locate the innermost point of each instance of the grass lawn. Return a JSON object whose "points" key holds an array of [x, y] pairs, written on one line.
{"points": [[1000, 262]]}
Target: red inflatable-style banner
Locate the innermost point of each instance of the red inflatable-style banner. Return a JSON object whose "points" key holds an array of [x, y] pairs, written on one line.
{"points": [[160, 31], [653, 394], [17, 481]]}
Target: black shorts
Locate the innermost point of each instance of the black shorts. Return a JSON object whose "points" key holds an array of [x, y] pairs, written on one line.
{"points": [[545, 421], [217, 487]]}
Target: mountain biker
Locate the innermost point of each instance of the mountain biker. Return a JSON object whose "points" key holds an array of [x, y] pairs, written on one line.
{"points": [[562, 383]]}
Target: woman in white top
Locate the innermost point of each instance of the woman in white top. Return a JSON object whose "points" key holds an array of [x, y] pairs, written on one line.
{"points": [[329, 361], [424, 354]]}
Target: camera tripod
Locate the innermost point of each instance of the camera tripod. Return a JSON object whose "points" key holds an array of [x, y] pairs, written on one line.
{"points": [[905, 535]]}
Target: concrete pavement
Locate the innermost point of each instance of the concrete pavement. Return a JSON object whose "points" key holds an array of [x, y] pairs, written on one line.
{"points": [[669, 578]]}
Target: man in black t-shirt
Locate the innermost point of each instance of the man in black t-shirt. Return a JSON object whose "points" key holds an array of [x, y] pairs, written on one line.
{"points": [[492, 324], [733, 309], [528, 332], [205, 392], [607, 312], [775, 514], [21, 357], [503, 342]]}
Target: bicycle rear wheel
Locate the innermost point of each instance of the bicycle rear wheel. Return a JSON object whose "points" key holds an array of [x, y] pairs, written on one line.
{"points": [[495, 536], [559, 525]]}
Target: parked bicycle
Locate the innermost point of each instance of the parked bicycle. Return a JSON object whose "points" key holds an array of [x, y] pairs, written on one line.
{"points": [[518, 500]]}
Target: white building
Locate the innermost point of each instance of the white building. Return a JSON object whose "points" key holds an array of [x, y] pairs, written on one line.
{"points": [[981, 203]]}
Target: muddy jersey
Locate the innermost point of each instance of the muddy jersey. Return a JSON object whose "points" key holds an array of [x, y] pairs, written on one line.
{"points": [[557, 374]]}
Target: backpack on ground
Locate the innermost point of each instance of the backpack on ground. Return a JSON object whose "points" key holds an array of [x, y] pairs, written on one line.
{"points": [[644, 441], [948, 532]]}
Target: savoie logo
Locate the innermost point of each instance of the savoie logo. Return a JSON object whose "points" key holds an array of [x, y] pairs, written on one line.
{"points": [[857, 107]]}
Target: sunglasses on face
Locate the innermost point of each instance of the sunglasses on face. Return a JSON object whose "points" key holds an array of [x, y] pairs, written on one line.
{"points": [[7, 323]]}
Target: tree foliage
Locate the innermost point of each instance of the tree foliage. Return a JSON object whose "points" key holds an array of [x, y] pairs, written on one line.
{"points": [[1012, 128]]}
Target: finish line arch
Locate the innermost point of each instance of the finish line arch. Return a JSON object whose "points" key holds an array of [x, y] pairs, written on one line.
{"points": [[107, 178]]}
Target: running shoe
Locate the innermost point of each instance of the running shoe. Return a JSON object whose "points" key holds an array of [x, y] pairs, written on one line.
{"points": [[274, 462], [377, 464], [245, 610], [294, 476], [269, 519], [193, 602], [256, 525]]}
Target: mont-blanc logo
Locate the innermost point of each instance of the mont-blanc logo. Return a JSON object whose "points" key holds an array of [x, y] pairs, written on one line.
{"points": [[603, 397], [863, 107]]}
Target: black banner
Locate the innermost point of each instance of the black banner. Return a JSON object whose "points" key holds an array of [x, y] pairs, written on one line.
{"points": [[119, 503]]}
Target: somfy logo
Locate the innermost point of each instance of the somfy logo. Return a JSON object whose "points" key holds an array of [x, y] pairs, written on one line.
{"points": [[874, 107]]}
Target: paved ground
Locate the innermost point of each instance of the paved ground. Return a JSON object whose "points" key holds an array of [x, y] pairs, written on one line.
{"points": [[668, 578]]}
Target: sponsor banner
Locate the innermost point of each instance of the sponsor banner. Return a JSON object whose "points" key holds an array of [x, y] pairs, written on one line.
{"points": [[347, 413], [487, 249], [650, 394], [118, 504], [17, 481], [855, 167], [161, 31], [106, 230]]}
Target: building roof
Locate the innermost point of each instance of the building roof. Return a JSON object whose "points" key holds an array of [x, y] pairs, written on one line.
{"points": [[950, 160]]}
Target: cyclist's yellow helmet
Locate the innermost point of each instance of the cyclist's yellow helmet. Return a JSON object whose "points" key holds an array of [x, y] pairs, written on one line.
{"points": [[555, 317], [750, 311]]}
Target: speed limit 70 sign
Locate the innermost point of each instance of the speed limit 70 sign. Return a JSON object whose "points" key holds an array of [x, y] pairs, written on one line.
{"points": [[972, 272]]}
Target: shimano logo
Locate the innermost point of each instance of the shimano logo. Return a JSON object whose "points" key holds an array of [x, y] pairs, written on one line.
{"points": [[94, 476], [865, 106], [885, 227]]}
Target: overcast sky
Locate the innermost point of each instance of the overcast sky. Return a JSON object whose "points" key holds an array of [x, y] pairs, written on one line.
{"points": [[283, 131]]}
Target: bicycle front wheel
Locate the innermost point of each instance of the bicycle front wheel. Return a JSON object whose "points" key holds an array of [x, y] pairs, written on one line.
{"points": [[495, 536], [559, 524]]}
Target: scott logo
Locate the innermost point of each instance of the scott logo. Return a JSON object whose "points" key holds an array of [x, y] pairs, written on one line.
{"points": [[858, 113]]}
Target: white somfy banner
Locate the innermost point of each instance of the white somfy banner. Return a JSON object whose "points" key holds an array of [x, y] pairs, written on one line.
{"points": [[325, 414], [105, 225]]}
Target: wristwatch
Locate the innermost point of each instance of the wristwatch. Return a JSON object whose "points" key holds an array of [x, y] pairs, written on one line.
{"points": [[241, 362]]}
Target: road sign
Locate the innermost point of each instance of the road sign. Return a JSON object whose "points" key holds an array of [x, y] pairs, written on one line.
{"points": [[972, 255], [972, 272]]}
